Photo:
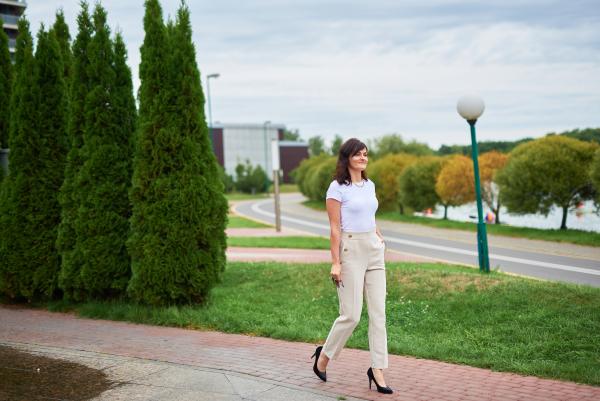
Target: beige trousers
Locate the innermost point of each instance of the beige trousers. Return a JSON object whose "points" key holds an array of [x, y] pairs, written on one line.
{"points": [[363, 271]]}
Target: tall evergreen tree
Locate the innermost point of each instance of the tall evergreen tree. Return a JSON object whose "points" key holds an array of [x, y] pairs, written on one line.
{"points": [[177, 241], [61, 31], [71, 260], [102, 223], [5, 89], [51, 138], [16, 197]]}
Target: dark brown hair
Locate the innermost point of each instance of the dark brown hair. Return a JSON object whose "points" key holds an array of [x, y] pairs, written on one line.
{"points": [[348, 149]]}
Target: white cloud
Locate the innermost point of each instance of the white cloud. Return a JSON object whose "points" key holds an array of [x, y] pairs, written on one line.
{"points": [[354, 68]]}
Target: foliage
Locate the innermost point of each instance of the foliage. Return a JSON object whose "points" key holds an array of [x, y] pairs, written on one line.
{"points": [[319, 178], [291, 135], [306, 166], [101, 223], [61, 31], [38, 148], [455, 184], [595, 177], [586, 134], [316, 146], [251, 179], [482, 147], [417, 183], [6, 72], [489, 164], [71, 261], [226, 180], [177, 242], [336, 145], [15, 273], [394, 144], [547, 172], [385, 173]]}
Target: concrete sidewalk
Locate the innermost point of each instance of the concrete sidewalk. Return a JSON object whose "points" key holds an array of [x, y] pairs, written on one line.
{"points": [[163, 363]]}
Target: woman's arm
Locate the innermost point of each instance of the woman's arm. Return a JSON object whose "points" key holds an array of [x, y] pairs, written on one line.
{"points": [[334, 208]]}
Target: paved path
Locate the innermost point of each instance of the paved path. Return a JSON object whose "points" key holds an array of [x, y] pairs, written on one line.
{"points": [[284, 364]]}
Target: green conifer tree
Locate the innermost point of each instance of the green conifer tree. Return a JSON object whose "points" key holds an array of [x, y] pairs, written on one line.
{"points": [[61, 31], [104, 179], [71, 260], [38, 149], [16, 274], [177, 241], [52, 149], [5, 89]]}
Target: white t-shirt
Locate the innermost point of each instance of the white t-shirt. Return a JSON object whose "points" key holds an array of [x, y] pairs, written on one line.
{"points": [[359, 205]]}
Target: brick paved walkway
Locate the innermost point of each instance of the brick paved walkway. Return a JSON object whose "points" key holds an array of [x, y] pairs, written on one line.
{"points": [[284, 362]]}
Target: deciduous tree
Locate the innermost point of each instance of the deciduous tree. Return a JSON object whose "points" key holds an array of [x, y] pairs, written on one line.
{"points": [[489, 164], [547, 172]]}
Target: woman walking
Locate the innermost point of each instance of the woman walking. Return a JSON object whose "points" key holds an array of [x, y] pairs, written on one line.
{"points": [[358, 266]]}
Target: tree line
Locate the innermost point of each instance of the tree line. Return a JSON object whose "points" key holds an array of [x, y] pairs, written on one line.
{"points": [[537, 175], [102, 200]]}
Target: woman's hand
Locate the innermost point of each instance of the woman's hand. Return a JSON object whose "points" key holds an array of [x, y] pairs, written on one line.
{"points": [[336, 274]]}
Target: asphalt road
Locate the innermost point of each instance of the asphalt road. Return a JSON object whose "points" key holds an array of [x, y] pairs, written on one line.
{"points": [[539, 259]]}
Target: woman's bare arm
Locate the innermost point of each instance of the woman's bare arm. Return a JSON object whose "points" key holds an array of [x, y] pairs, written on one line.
{"points": [[334, 208]]}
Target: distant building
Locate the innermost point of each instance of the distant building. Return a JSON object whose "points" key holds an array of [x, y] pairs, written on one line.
{"points": [[10, 12], [235, 143]]}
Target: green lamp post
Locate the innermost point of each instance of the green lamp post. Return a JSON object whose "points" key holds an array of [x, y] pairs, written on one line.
{"points": [[470, 108]]}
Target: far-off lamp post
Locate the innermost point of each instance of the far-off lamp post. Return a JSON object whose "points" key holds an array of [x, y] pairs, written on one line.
{"points": [[210, 125], [470, 108]]}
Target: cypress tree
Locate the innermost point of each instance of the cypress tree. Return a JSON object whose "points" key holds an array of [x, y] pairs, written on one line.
{"points": [[103, 181], [61, 31], [206, 239], [71, 260], [5, 89], [177, 237], [51, 143], [16, 198]]}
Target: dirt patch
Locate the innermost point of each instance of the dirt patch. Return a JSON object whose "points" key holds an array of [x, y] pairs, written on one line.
{"points": [[28, 377]]}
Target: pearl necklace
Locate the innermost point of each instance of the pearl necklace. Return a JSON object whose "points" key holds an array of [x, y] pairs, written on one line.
{"points": [[359, 186]]}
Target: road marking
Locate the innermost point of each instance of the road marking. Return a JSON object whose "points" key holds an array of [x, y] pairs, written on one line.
{"points": [[256, 208]]}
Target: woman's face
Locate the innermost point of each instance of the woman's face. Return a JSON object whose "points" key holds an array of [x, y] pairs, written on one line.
{"points": [[359, 161]]}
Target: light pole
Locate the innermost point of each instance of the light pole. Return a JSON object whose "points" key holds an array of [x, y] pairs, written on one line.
{"points": [[265, 131], [470, 108], [208, 77]]}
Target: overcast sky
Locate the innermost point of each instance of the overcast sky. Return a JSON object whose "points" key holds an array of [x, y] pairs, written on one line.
{"points": [[365, 69]]}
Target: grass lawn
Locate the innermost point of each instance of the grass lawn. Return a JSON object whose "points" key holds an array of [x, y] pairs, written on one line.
{"points": [[571, 236], [280, 242], [237, 196], [434, 311], [242, 222]]}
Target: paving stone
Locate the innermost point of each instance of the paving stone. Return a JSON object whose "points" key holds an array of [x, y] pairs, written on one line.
{"points": [[189, 379]]}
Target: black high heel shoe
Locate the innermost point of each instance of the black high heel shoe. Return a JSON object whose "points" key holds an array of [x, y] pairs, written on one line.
{"points": [[320, 375], [384, 390]]}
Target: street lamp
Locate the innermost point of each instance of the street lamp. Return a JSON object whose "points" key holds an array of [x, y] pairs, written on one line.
{"points": [[470, 108], [208, 77]]}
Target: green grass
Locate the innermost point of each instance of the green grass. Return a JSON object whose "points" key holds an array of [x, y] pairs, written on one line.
{"points": [[434, 311], [285, 188], [280, 242], [242, 222], [578, 237], [238, 196]]}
